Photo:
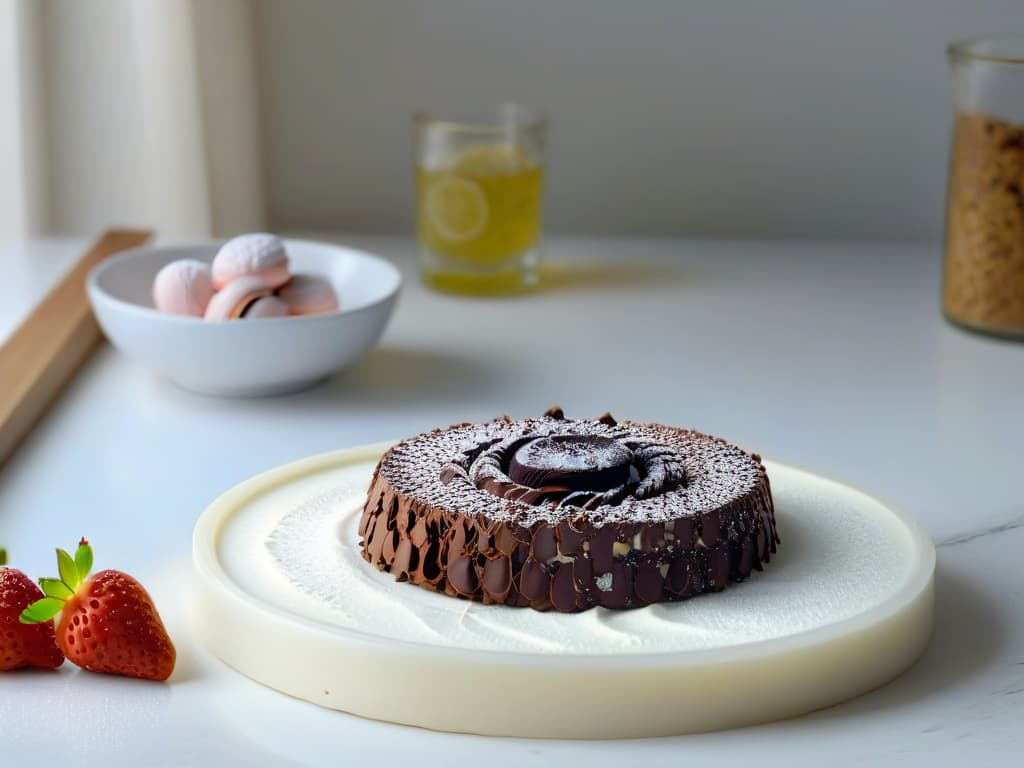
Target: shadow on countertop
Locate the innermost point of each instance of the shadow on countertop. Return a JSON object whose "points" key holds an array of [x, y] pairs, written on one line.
{"points": [[969, 634], [562, 277], [395, 376]]}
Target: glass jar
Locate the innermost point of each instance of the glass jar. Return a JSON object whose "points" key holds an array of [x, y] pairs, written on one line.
{"points": [[983, 285]]}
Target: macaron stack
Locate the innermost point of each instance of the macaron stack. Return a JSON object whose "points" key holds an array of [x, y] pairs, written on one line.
{"points": [[249, 279]]}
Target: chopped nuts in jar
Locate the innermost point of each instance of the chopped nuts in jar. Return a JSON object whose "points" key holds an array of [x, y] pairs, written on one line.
{"points": [[984, 280]]}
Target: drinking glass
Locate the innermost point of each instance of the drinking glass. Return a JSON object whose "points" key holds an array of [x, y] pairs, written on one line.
{"points": [[479, 188]]}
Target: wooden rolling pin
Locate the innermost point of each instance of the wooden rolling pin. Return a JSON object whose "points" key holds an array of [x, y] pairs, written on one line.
{"points": [[48, 348]]}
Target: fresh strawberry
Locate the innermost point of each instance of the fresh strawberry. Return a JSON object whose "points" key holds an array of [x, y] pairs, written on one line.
{"points": [[108, 621], [22, 646]]}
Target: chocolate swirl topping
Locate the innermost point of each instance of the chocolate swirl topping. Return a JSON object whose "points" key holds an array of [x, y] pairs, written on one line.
{"points": [[568, 514], [573, 462], [584, 471]]}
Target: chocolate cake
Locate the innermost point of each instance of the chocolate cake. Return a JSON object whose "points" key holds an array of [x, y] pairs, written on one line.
{"points": [[566, 514]]}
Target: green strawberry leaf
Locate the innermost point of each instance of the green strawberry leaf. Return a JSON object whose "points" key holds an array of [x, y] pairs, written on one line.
{"points": [[68, 570], [41, 611], [83, 559], [3, 556], [55, 588]]}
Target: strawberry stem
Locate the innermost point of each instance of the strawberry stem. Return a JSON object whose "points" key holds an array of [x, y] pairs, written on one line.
{"points": [[41, 610], [3, 556], [73, 571], [83, 559], [68, 570], [55, 588]]}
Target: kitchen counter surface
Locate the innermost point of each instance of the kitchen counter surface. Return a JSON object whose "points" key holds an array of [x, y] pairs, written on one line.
{"points": [[830, 356]]}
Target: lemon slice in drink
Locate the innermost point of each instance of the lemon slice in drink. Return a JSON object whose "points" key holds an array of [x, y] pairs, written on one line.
{"points": [[457, 208]]}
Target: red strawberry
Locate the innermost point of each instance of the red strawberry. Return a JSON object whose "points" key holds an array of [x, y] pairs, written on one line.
{"points": [[108, 621], [22, 646]]}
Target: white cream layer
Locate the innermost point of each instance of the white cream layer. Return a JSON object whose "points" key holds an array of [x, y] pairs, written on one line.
{"points": [[296, 547]]}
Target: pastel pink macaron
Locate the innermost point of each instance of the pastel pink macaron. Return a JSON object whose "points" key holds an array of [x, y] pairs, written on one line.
{"points": [[247, 297], [258, 255], [183, 287], [268, 306], [309, 295]]}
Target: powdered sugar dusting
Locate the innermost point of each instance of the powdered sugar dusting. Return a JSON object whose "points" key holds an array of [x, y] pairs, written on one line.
{"points": [[717, 473], [573, 456]]}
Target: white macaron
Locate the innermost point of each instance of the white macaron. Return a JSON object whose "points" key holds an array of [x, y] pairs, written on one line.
{"points": [[309, 295], [257, 255], [183, 287], [237, 298]]}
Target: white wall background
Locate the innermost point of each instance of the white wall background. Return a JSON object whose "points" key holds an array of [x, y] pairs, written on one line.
{"points": [[784, 118], [129, 113]]}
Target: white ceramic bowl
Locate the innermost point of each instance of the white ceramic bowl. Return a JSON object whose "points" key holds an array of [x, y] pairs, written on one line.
{"points": [[245, 358]]}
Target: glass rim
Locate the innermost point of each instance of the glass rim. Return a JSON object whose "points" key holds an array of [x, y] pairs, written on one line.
{"points": [[529, 121], [967, 49]]}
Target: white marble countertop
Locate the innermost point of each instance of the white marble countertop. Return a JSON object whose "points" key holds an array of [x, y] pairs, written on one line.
{"points": [[829, 356]]}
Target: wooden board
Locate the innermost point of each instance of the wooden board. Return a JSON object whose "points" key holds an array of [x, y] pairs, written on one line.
{"points": [[49, 347]]}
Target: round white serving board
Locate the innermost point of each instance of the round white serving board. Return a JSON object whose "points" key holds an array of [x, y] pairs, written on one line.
{"points": [[283, 596]]}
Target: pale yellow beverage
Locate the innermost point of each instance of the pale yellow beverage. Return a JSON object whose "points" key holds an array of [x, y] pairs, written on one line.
{"points": [[479, 218]]}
